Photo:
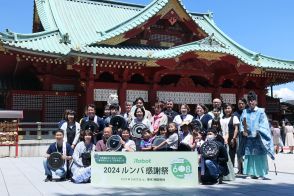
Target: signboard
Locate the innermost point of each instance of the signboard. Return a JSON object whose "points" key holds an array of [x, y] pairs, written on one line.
{"points": [[144, 169]]}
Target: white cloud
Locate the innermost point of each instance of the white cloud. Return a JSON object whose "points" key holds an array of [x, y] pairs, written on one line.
{"points": [[284, 94]]}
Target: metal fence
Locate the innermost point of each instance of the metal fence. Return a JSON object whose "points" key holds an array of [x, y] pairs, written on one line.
{"points": [[37, 130]]}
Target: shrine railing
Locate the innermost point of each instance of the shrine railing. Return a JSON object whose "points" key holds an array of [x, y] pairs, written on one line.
{"points": [[37, 130]]}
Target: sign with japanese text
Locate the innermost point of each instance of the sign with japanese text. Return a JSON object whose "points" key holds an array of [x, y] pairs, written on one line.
{"points": [[144, 169]]}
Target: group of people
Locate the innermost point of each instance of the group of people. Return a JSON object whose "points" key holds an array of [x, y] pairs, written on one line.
{"points": [[244, 132]]}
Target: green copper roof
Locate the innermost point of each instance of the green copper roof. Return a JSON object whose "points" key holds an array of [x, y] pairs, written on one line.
{"points": [[45, 42], [84, 20], [71, 25]]}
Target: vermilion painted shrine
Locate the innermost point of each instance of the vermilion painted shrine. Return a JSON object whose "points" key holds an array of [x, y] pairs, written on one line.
{"points": [[80, 51]]}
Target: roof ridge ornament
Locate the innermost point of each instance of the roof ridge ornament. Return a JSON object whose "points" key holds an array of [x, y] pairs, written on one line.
{"points": [[256, 56], [65, 39], [210, 14]]}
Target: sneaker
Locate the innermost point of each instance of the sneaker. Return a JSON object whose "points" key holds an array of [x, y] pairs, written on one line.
{"points": [[48, 179], [261, 178]]}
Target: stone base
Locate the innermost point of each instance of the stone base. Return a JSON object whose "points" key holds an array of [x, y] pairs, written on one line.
{"points": [[27, 148]]}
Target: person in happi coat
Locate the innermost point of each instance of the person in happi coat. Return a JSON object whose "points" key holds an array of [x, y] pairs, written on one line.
{"points": [[259, 142]]}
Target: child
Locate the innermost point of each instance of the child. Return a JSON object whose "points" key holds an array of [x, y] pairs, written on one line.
{"points": [[162, 131], [197, 140], [146, 142], [172, 138]]}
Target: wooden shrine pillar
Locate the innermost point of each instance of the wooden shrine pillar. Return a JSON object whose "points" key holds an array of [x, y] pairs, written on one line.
{"points": [[261, 98], [122, 95], [90, 89], [47, 82]]}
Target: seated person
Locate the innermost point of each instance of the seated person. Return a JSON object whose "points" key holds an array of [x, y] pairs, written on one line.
{"points": [[172, 140], [214, 168], [60, 147], [128, 145], [101, 144], [146, 142], [81, 167]]}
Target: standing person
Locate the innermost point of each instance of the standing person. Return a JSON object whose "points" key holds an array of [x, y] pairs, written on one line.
{"points": [[139, 103], [184, 116], [159, 117], [217, 103], [242, 103], [60, 123], [101, 144], [81, 166], [172, 140], [229, 125], [127, 115], [139, 118], [216, 113], [114, 111], [169, 112], [61, 147], [259, 141], [289, 132], [71, 129], [276, 132], [201, 114], [99, 122], [106, 112]]}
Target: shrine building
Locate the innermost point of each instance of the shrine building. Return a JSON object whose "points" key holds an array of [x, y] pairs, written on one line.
{"points": [[80, 51]]}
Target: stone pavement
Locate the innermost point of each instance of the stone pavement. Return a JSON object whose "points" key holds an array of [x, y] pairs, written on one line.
{"points": [[25, 176]]}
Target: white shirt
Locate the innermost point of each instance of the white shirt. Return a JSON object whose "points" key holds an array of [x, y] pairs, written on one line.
{"points": [[225, 124], [187, 139], [145, 121], [178, 120], [172, 141], [131, 144], [78, 129]]}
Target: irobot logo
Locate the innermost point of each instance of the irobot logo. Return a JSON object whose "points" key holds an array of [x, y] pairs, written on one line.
{"points": [[181, 168]]}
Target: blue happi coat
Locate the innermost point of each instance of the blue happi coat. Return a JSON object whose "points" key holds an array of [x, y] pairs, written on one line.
{"points": [[259, 140]]}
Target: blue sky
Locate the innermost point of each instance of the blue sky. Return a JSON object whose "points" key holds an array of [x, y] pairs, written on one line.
{"points": [[264, 26]]}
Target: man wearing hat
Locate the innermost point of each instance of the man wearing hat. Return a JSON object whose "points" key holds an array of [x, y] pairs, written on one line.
{"points": [[259, 142]]}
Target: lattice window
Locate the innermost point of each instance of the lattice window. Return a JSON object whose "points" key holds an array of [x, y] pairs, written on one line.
{"points": [[56, 105], [165, 38], [26, 102], [228, 98], [103, 94], [185, 97], [132, 95]]}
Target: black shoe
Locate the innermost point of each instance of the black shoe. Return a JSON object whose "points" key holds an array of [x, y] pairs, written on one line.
{"points": [[281, 151], [48, 179], [220, 180]]}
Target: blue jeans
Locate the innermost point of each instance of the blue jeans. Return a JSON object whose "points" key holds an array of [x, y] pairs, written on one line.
{"points": [[212, 168], [48, 170]]}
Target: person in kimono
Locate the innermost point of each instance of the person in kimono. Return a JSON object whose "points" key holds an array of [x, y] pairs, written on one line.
{"points": [[81, 166], [259, 142]]}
